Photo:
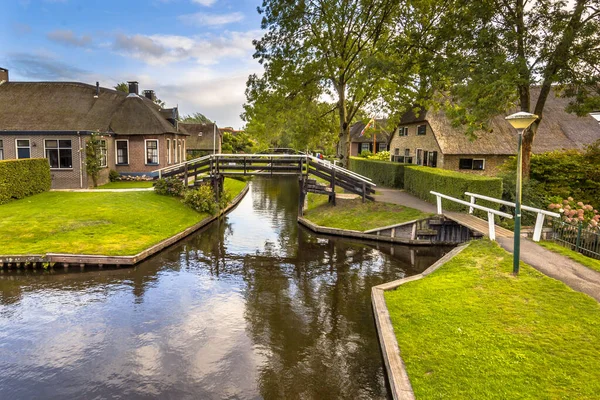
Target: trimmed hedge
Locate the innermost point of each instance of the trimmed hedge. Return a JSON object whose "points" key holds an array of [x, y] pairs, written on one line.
{"points": [[22, 178], [384, 173], [421, 180]]}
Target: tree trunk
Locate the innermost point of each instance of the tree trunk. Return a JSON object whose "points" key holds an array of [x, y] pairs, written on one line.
{"points": [[344, 125], [528, 136]]}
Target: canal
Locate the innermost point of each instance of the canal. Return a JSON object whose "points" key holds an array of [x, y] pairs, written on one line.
{"points": [[252, 307]]}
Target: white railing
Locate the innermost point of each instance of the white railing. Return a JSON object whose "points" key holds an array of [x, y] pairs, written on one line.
{"points": [[331, 165], [490, 211], [539, 220]]}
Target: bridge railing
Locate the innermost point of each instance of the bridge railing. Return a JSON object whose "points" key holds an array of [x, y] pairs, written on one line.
{"points": [[174, 167], [490, 211], [331, 165], [539, 220]]}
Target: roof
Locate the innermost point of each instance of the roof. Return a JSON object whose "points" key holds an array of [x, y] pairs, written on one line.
{"points": [[381, 136], [201, 135], [72, 106], [558, 130]]}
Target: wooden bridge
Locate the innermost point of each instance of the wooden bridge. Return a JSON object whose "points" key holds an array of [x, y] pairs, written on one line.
{"points": [[216, 166]]}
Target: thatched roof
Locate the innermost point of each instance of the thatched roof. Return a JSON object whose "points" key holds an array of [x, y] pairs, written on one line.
{"points": [[201, 135], [559, 130], [71, 106], [381, 134]]}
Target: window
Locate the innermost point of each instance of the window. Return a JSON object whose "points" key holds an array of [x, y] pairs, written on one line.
{"points": [[175, 152], [403, 131], [364, 147], [421, 130], [381, 146], [433, 159], [168, 151], [471, 163], [419, 156], [122, 152], [103, 154], [406, 152], [396, 152], [426, 158], [1, 150], [58, 153], [151, 151], [23, 148]]}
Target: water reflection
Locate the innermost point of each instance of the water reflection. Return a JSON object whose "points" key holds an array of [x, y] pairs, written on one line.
{"points": [[252, 307]]}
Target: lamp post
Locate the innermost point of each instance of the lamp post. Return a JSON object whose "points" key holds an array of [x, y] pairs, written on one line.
{"points": [[520, 121]]}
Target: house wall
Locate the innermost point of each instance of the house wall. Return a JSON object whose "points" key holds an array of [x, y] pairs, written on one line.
{"points": [[413, 142], [491, 165], [137, 153], [355, 148]]}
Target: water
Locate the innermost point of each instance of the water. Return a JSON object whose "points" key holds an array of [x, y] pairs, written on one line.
{"points": [[251, 307]]}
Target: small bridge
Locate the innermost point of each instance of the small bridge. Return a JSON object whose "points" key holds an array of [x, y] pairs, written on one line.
{"points": [[216, 166]]}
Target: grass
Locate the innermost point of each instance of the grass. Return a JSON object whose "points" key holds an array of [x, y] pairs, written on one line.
{"points": [[235, 186], [127, 185], [108, 223], [356, 215], [471, 330], [573, 255]]}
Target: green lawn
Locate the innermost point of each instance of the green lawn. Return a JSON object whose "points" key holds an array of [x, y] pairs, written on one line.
{"points": [[108, 223], [356, 215], [471, 330], [576, 256], [234, 186], [127, 185]]}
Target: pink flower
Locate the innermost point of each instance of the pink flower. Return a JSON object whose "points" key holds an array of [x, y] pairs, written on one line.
{"points": [[581, 218], [580, 203], [568, 220], [570, 198], [565, 201], [551, 206], [594, 223]]}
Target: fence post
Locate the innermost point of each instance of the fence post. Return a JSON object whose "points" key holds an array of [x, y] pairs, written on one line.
{"points": [[364, 193], [159, 174], [472, 202], [439, 205], [578, 243], [491, 226], [539, 224]]}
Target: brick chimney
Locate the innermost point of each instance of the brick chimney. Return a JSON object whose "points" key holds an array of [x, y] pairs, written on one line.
{"points": [[149, 94], [3, 75], [133, 87]]}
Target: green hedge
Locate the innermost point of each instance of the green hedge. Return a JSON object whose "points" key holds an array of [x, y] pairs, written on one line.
{"points": [[22, 178], [421, 180], [384, 173]]}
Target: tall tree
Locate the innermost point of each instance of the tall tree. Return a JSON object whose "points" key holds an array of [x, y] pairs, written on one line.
{"points": [[197, 118], [324, 48], [514, 44], [122, 87]]}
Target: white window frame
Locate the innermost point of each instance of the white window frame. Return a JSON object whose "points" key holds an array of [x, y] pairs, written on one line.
{"points": [[103, 153], [175, 151], [17, 147], [363, 144], [1, 149], [482, 166], [146, 152], [472, 163], [421, 134], [117, 151], [184, 150], [58, 148], [168, 151], [417, 156]]}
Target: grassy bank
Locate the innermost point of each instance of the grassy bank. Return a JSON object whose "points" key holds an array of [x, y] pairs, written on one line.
{"points": [[127, 185], [356, 215], [106, 223], [472, 330], [573, 255]]}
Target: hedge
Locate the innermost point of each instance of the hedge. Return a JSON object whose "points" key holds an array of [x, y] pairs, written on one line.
{"points": [[421, 180], [384, 173], [22, 178]]}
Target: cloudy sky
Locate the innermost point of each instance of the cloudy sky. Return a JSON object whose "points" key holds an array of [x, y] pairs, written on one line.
{"points": [[194, 53]]}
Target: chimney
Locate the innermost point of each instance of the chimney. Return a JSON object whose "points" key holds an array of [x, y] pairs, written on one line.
{"points": [[97, 90], [149, 94], [133, 87], [3, 75]]}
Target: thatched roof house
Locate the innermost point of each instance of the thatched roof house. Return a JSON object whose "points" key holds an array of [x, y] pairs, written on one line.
{"points": [[430, 136], [203, 139], [375, 139], [53, 119]]}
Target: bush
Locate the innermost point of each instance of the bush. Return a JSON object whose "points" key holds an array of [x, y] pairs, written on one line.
{"points": [[22, 178], [382, 156], [365, 154], [201, 199], [113, 175], [421, 180], [169, 187], [384, 173]]}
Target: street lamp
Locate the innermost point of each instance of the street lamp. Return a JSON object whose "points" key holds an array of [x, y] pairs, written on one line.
{"points": [[520, 121]]}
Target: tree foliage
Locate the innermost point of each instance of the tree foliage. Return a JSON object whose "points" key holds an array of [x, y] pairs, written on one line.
{"points": [[93, 157], [197, 118]]}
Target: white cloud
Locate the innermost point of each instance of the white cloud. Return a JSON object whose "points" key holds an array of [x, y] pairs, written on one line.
{"points": [[67, 37], [206, 3], [207, 19]]}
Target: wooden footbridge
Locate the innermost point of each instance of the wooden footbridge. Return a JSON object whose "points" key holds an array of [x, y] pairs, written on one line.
{"points": [[216, 166]]}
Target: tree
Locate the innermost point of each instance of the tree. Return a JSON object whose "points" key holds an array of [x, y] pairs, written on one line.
{"points": [[93, 157], [511, 45], [324, 48], [122, 87], [197, 118]]}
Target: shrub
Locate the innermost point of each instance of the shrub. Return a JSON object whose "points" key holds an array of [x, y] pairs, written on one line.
{"points": [[382, 155], [113, 175], [365, 154], [169, 187], [384, 173], [22, 178], [576, 213], [421, 180], [201, 199]]}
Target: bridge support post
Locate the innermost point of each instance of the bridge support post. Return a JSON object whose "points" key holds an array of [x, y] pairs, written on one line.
{"points": [[302, 184], [185, 175], [439, 205], [472, 202], [491, 226], [332, 196], [539, 224], [364, 191]]}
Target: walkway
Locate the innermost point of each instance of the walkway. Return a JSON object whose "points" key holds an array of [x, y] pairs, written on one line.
{"points": [[573, 274]]}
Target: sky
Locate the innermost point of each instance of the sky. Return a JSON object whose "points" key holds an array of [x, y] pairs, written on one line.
{"points": [[196, 54]]}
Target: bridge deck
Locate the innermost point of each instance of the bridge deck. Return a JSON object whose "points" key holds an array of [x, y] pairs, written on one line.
{"points": [[477, 224]]}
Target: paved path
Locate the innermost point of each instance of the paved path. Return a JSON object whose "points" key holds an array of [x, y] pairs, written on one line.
{"points": [[103, 190], [557, 266]]}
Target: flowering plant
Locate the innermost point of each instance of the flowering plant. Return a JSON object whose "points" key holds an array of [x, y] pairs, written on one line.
{"points": [[576, 213]]}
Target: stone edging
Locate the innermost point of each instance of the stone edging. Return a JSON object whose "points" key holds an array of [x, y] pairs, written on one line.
{"points": [[394, 365], [92, 259]]}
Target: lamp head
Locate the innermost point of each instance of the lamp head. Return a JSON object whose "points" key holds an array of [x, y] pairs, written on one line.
{"points": [[521, 120]]}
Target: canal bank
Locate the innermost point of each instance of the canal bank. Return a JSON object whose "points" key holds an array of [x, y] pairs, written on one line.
{"points": [[251, 306]]}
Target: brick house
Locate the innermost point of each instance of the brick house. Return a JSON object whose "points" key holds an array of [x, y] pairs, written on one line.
{"points": [[374, 140], [204, 138], [53, 120], [430, 139]]}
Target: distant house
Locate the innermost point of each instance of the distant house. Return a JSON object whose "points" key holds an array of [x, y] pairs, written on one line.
{"points": [[204, 138], [53, 120], [430, 139], [374, 140]]}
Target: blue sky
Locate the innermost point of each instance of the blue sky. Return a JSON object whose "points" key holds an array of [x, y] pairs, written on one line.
{"points": [[194, 53]]}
